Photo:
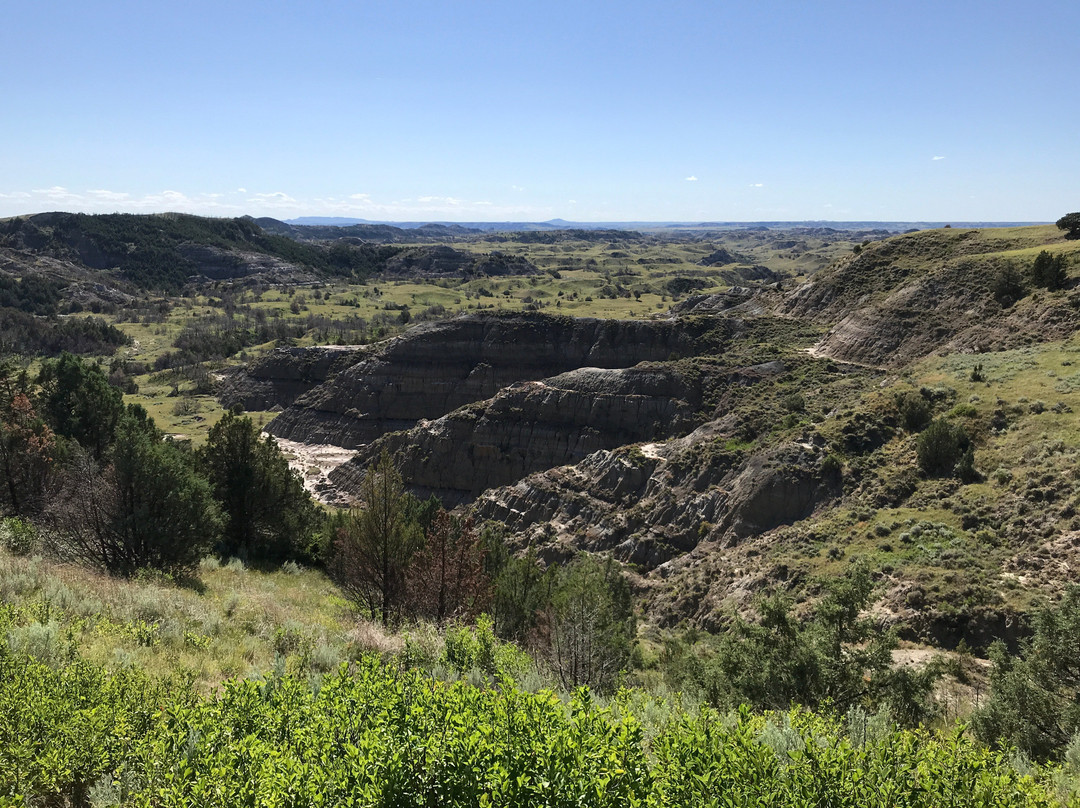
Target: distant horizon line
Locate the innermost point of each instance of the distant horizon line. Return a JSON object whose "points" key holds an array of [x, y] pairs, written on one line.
{"points": [[345, 221]]}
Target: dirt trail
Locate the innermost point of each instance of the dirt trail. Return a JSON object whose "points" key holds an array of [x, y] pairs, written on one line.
{"points": [[817, 352]]}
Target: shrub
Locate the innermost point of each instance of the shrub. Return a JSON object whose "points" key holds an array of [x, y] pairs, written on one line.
{"points": [[1035, 696], [1048, 271], [795, 402], [831, 465], [914, 411], [43, 641], [148, 510], [940, 447], [1008, 286], [18, 536]]}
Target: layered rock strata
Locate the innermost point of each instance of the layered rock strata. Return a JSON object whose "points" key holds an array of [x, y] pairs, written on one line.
{"points": [[438, 367], [531, 426]]}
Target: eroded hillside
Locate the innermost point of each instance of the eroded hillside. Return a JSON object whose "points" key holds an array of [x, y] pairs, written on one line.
{"points": [[755, 440]]}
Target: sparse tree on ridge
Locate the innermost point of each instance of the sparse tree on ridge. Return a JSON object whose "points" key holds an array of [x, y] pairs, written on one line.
{"points": [[1070, 222]]}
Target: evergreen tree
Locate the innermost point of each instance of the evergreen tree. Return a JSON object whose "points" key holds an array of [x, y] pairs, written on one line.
{"points": [[27, 446], [590, 624], [78, 402], [1071, 223], [941, 446], [522, 588], [838, 658], [1048, 271], [448, 580], [149, 509], [269, 516], [1035, 695], [1008, 286]]}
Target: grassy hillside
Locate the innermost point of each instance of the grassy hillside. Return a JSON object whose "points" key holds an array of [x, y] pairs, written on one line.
{"points": [[940, 291]]}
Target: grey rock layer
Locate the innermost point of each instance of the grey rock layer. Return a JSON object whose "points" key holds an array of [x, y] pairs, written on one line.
{"points": [[532, 426], [438, 367]]}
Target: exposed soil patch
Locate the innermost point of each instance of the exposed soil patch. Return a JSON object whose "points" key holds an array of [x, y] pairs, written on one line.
{"points": [[315, 462]]}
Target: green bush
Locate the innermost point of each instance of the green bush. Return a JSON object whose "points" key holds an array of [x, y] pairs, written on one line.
{"points": [[914, 411], [1048, 271], [18, 536], [374, 735], [1008, 285], [941, 446], [1035, 695]]}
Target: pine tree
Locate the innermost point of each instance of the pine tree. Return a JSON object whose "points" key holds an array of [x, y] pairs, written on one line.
{"points": [[1048, 271], [269, 516]]}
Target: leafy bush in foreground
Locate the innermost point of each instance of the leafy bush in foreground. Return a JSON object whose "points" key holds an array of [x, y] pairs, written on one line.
{"points": [[375, 736]]}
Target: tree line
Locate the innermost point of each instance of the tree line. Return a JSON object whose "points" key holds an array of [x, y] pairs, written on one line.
{"points": [[108, 488], [99, 483]]}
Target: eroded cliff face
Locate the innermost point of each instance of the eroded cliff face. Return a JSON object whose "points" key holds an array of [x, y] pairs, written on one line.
{"points": [[283, 375], [652, 504], [532, 426], [436, 368]]}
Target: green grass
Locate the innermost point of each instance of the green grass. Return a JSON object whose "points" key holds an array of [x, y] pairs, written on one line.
{"points": [[958, 545], [626, 279], [229, 622]]}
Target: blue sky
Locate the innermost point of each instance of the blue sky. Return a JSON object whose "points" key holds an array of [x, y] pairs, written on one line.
{"points": [[418, 110]]}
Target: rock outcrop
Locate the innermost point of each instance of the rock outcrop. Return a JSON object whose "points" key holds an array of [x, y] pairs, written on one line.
{"points": [[651, 504], [438, 367], [277, 379], [722, 257], [213, 263], [445, 262], [534, 426]]}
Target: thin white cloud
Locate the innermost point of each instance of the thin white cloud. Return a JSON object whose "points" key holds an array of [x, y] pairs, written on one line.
{"points": [[440, 200], [109, 196], [241, 190], [757, 185], [278, 204], [276, 198], [937, 157], [516, 188], [691, 178], [57, 193], [100, 200]]}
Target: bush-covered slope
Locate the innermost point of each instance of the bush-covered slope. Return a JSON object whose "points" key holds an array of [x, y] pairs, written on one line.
{"points": [[902, 298]]}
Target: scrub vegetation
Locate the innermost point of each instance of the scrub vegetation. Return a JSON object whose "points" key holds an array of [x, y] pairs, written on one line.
{"points": [[181, 622]]}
